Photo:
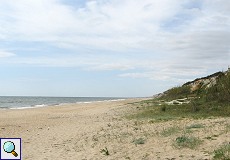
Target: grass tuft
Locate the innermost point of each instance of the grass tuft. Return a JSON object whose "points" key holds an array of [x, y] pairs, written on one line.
{"points": [[105, 151], [139, 141], [222, 153], [170, 131], [195, 126], [187, 142]]}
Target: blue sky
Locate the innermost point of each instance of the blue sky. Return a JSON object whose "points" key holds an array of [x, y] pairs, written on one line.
{"points": [[124, 48]]}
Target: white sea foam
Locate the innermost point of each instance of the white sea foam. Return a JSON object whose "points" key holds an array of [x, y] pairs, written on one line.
{"points": [[38, 102], [41, 105], [85, 102], [36, 106], [114, 100]]}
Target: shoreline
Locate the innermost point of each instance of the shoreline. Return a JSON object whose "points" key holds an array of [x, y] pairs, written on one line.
{"points": [[82, 131], [44, 130], [61, 104], [49, 104]]}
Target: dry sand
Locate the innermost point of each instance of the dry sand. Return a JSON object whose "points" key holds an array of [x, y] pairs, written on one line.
{"points": [[81, 131]]}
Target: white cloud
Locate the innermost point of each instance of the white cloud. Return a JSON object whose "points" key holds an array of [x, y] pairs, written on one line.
{"points": [[119, 24], [166, 36], [115, 25], [168, 72], [4, 54]]}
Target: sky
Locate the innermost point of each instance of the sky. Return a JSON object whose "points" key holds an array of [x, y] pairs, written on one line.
{"points": [[110, 48]]}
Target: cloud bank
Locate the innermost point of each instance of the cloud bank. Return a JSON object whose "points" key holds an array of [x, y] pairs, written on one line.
{"points": [[161, 39]]}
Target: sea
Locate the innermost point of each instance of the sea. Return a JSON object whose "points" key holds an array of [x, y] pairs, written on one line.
{"points": [[16, 102]]}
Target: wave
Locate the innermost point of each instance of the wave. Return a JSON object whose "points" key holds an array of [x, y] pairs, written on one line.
{"points": [[28, 102], [27, 107]]}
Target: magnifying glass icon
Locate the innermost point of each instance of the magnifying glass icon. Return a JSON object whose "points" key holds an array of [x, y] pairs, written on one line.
{"points": [[9, 147]]}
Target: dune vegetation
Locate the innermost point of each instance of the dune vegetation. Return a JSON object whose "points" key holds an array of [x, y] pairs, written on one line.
{"points": [[200, 102], [180, 102]]}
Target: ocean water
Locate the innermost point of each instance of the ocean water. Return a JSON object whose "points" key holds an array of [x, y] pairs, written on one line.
{"points": [[11, 102]]}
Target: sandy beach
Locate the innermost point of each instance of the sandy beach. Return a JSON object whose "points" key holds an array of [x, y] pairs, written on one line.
{"points": [[82, 131]]}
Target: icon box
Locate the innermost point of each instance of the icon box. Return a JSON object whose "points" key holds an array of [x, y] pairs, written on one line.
{"points": [[18, 148]]}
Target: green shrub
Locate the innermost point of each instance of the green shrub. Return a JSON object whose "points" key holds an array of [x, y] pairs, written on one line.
{"points": [[223, 153], [221, 91], [195, 106], [187, 142], [177, 93], [163, 108], [139, 141]]}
